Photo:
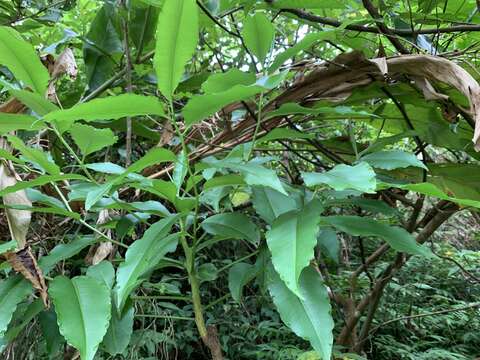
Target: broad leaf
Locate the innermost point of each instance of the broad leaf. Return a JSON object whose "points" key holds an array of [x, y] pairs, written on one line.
{"points": [[22, 60], [232, 225], [360, 177], [103, 272], [13, 290], [83, 309], [309, 316], [270, 204], [258, 33], [238, 276], [398, 238], [393, 159], [220, 82], [90, 139], [177, 37], [120, 331], [291, 241], [141, 256]]}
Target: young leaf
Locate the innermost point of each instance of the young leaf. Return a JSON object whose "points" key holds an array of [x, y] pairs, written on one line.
{"points": [[141, 256], [291, 241], [12, 291], [397, 237], [238, 276], [90, 139], [360, 177], [177, 37], [258, 33], [83, 309], [22, 60], [309, 316], [393, 159], [233, 225]]}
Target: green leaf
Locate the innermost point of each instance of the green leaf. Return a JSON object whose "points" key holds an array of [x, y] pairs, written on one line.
{"points": [[393, 159], [307, 4], [225, 180], [13, 122], [238, 276], [302, 45], [328, 242], [22, 60], [309, 316], [35, 156], [90, 139], [360, 177], [83, 309], [64, 251], [177, 37], [141, 256], [8, 246], [258, 33], [293, 108], [284, 133], [39, 181], [108, 108], [270, 204], [232, 225], [152, 157], [201, 107], [180, 171], [103, 272], [221, 82], [120, 331], [34, 101], [49, 325], [13, 290], [291, 241], [397, 237]]}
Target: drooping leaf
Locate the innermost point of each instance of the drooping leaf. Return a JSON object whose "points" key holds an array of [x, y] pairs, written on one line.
{"points": [[270, 204], [359, 177], [238, 276], [177, 37], [258, 33], [309, 316], [13, 290], [141, 256], [22, 60], [35, 156], [397, 237], [83, 309], [90, 139], [291, 241], [393, 159], [233, 225]]}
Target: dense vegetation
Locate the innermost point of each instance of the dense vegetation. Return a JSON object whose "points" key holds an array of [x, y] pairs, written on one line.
{"points": [[239, 179]]}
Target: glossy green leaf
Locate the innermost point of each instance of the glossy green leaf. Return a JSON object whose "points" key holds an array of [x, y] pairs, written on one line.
{"points": [[309, 316], [90, 139], [393, 159], [232, 225], [22, 60], [13, 122], [141, 256], [239, 275], [270, 204], [83, 309], [398, 238], [359, 177], [291, 241], [13, 290], [36, 156], [258, 33], [177, 37]]}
